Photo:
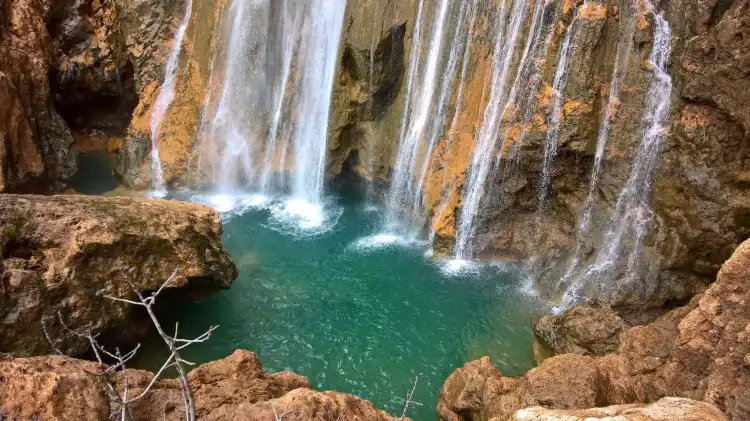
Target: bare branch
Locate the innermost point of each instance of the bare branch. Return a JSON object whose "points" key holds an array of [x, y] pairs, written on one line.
{"points": [[408, 400], [276, 416]]}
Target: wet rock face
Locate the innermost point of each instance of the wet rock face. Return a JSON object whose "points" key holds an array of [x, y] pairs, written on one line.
{"points": [[699, 352], [233, 388], [34, 138], [59, 252]]}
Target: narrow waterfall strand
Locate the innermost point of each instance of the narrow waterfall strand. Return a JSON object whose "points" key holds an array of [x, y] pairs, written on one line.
{"points": [[457, 111], [624, 45], [417, 117], [446, 90], [163, 101], [288, 34], [482, 156], [633, 212], [553, 123]]}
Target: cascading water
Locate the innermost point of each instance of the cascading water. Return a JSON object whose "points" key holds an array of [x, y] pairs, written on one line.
{"points": [[403, 200], [163, 101], [624, 46], [505, 46], [467, 39], [553, 123], [270, 95], [633, 212]]}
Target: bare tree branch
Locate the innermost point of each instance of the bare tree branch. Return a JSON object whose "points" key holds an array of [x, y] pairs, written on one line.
{"points": [[174, 344], [408, 400]]}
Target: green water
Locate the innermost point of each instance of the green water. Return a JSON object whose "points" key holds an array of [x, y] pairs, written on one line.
{"points": [[365, 322]]}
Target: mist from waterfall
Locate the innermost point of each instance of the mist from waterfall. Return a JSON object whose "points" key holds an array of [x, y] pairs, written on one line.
{"points": [[163, 102], [616, 268], [265, 127]]}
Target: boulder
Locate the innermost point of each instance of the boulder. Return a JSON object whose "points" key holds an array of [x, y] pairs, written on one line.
{"points": [[667, 409], [59, 253], [585, 330], [231, 389], [699, 351]]}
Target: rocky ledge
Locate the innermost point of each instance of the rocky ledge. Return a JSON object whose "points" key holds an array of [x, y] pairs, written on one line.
{"points": [[700, 351], [59, 253], [235, 388]]}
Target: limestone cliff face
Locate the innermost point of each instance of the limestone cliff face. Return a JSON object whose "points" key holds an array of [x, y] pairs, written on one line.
{"points": [[700, 199], [700, 204]]}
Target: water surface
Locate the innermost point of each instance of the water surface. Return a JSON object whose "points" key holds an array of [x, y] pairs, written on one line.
{"points": [[356, 313]]}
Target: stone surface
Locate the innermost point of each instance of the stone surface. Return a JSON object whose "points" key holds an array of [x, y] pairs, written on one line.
{"points": [[35, 141], [51, 389], [667, 409], [585, 330], [697, 352], [231, 389], [58, 252]]}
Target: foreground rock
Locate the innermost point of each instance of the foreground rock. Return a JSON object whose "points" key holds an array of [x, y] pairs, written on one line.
{"points": [[667, 409], [700, 351], [234, 388], [59, 252]]}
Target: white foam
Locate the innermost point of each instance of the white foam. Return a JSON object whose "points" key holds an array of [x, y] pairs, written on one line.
{"points": [[456, 267], [384, 240], [302, 218], [231, 204]]}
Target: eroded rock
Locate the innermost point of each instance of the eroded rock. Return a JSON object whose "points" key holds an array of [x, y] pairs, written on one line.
{"points": [[59, 252], [698, 351], [231, 389]]}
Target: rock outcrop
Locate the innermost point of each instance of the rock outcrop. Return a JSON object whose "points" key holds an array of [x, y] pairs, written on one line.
{"points": [[585, 330], [700, 351], [35, 142], [234, 388], [60, 252], [667, 409]]}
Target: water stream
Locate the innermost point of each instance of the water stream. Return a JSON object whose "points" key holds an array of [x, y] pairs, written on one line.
{"points": [[621, 245], [163, 101]]}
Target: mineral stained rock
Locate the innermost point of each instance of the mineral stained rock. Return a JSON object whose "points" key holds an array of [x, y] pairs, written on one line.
{"points": [[231, 389], [700, 352], [60, 252]]}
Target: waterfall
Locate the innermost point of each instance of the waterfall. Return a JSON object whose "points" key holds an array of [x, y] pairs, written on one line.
{"points": [[633, 212], [553, 123], [466, 38], [624, 45], [163, 101], [265, 124], [319, 54], [505, 46], [404, 196]]}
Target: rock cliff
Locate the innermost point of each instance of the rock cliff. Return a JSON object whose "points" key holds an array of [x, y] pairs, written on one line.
{"points": [[700, 351], [59, 252], [234, 388]]}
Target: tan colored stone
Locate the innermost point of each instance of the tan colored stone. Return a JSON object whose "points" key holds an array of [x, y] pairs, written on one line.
{"points": [[59, 252]]}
